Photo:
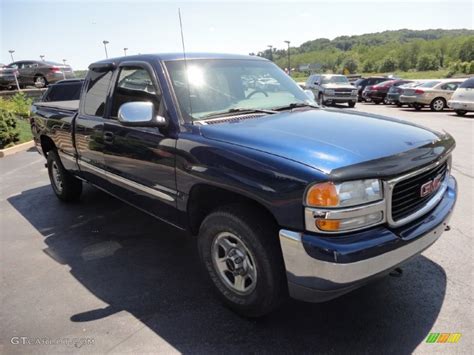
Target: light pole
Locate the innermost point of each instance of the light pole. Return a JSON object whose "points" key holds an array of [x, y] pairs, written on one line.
{"points": [[271, 52], [64, 74], [11, 51], [289, 63], [42, 57], [64, 61], [105, 47], [125, 51]]}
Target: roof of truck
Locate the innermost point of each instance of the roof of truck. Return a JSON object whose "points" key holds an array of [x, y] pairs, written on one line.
{"points": [[179, 56]]}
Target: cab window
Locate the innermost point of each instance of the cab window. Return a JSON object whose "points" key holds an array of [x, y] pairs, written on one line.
{"points": [[96, 93]]}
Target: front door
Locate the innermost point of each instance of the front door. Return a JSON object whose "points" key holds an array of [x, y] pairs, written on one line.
{"points": [[140, 161]]}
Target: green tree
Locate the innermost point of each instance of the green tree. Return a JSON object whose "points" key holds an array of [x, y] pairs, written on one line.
{"points": [[427, 62], [351, 65], [388, 65], [466, 52]]}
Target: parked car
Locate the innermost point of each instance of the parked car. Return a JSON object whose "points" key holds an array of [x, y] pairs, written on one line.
{"points": [[40, 73], [362, 83], [378, 93], [7, 77], [64, 90], [462, 100], [284, 197], [433, 93], [394, 92], [331, 89]]}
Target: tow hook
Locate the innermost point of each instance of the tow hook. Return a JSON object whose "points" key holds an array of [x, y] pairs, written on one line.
{"points": [[398, 272], [448, 228]]}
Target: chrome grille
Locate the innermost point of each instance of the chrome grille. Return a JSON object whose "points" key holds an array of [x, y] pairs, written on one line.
{"points": [[406, 194]]}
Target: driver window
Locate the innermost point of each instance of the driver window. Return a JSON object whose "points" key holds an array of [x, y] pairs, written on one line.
{"points": [[135, 84]]}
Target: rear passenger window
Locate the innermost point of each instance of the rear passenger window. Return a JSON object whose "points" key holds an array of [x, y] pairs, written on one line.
{"points": [[96, 94], [135, 84], [450, 86]]}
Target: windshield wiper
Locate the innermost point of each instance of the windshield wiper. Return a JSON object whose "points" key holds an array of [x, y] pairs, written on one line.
{"points": [[236, 110], [294, 105]]}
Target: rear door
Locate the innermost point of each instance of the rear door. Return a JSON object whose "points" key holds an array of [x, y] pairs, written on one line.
{"points": [[89, 126], [140, 161], [447, 89]]}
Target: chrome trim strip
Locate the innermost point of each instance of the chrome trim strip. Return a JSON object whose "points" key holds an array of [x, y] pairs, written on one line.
{"points": [[430, 204], [299, 265], [127, 182], [310, 214]]}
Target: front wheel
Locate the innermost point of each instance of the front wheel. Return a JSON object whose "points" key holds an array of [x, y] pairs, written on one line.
{"points": [[351, 104], [242, 257], [460, 112], [65, 186]]}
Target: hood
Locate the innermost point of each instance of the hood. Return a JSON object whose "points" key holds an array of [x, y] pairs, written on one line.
{"points": [[323, 139], [338, 86]]}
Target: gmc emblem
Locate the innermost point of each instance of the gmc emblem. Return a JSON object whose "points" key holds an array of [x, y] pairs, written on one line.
{"points": [[431, 186]]}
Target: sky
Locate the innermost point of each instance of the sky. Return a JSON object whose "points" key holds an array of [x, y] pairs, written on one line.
{"points": [[74, 30]]}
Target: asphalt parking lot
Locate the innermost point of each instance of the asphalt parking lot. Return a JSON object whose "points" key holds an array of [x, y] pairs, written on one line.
{"points": [[102, 271]]}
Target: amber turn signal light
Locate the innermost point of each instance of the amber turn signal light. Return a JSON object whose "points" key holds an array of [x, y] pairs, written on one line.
{"points": [[322, 195], [328, 225]]}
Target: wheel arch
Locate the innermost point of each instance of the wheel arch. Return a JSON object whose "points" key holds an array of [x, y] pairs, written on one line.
{"points": [[205, 198], [47, 144]]}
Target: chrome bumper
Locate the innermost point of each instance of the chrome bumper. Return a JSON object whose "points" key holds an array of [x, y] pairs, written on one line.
{"points": [[314, 280], [335, 98]]}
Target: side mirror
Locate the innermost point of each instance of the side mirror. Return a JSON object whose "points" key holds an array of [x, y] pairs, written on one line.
{"points": [[140, 114], [310, 94]]}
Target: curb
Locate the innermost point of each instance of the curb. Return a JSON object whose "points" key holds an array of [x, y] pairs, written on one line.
{"points": [[16, 148]]}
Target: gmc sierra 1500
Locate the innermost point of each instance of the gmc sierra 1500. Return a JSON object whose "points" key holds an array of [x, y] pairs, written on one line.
{"points": [[284, 197]]}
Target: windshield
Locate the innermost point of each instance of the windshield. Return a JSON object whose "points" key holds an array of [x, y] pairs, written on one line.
{"points": [[337, 79], [220, 85]]}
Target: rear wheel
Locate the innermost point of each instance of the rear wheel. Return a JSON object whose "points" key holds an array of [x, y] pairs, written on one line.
{"points": [[65, 186], [40, 81], [438, 104], [460, 112], [242, 257]]}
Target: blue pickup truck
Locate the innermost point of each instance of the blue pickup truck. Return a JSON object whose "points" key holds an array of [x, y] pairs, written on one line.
{"points": [[285, 198]]}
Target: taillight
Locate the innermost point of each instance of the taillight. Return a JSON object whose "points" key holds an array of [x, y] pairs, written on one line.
{"points": [[419, 92], [55, 69]]}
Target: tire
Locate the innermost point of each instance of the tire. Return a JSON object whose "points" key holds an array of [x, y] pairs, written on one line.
{"points": [[399, 104], [351, 104], [66, 187], [40, 81], [239, 231], [460, 112], [385, 101], [417, 107], [438, 104], [320, 100]]}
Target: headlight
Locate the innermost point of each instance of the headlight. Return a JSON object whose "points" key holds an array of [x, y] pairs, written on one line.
{"points": [[329, 92], [345, 194], [342, 207], [354, 92]]}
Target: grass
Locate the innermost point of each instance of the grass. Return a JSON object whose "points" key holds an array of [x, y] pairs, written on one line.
{"points": [[24, 128]]}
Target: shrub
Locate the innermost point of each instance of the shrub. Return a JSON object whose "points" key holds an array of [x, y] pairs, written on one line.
{"points": [[8, 129], [19, 104]]}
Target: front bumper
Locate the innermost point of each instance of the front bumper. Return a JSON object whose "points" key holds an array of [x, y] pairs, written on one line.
{"points": [[335, 98], [320, 268], [461, 105]]}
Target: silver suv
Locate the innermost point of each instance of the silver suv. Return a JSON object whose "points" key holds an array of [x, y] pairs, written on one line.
{"points": [[331, 89]]}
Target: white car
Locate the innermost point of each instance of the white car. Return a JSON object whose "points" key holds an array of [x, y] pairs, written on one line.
{"points": [[462, 100]]}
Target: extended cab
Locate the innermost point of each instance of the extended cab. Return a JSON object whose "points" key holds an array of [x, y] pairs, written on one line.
{"points": [[283, 196]]}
